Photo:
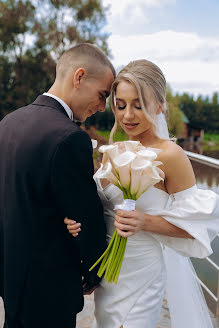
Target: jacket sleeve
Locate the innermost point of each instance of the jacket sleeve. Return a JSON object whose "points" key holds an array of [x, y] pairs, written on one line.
{"points": [[76, 195]]}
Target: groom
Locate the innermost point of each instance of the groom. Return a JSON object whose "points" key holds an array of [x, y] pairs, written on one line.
{"points": [[46, 174]]}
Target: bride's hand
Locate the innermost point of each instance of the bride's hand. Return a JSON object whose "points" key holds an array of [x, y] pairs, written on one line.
{"points": [[73, 227], [129, 223]]}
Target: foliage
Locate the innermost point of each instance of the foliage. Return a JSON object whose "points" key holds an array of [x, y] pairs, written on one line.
{"points": [[211, 137], [174, 117], [103, 121], [201, 112], [33, 34], [119, 135]]}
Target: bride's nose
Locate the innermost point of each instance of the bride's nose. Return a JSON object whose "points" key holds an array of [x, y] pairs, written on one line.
{"points": [[129, 113]]}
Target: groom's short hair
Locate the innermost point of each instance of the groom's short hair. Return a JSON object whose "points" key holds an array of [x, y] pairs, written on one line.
{"points": [[83, 55]]}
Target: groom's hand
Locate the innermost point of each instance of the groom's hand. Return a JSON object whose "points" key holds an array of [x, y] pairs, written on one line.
{"points": [[90, 282], [87, 289]]}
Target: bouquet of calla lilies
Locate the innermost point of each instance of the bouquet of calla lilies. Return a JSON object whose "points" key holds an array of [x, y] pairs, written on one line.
{"points": [[133, 169]]}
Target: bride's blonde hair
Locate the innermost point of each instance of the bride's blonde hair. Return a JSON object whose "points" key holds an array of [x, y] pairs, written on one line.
{"points": [[141, 73]]}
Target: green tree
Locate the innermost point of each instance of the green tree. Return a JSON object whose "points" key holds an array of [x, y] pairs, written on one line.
{"points": [[215, 99], [201, 112], [174, 117]]}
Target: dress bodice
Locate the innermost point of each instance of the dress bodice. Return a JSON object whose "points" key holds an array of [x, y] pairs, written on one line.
{"points": [[193, 210], [111, 196]]}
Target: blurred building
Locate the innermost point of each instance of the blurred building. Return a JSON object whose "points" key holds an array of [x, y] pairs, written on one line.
{"points": [[192, 136]]}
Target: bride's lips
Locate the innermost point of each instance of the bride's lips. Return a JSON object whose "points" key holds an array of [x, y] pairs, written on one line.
{"points": [[130, 126]]}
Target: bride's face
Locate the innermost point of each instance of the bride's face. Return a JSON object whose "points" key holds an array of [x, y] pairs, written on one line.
{"points": [[128, 109]]}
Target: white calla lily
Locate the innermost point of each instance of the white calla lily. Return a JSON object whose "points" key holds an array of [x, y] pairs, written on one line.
{"points": [[111, 150], [105, 148], [121, 164], [131, 145], [148, 154], [161, 173], [155, 150], [137, 167], [105, 172], [157, 163], [149, 178]]}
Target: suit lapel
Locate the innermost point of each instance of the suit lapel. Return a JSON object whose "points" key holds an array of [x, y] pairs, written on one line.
{"points": [[49, 102]]}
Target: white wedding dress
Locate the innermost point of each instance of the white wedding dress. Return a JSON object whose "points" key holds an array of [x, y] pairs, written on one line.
{"points": [[149, 266]]}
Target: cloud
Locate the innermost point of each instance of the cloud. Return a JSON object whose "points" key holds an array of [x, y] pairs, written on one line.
{"points": [[185, 58], [164, 45], [118, 7], [128, 15]]}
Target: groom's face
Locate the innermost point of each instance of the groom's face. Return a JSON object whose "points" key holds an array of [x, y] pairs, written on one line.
{"points": [[91, 95]]}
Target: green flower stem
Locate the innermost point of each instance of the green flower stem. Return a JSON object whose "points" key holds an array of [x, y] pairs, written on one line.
{"points": [[106, 251], [121, 259], [114, 266], [129, 194], [103, 265], [115, 260], [111, 257]]}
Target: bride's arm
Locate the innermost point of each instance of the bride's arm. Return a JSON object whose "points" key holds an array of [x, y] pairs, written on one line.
{"points": [[129, 223], [179, 176]]}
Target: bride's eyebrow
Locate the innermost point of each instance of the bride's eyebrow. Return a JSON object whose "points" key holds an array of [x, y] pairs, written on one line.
{"points": [[133, 100], [120, 99]]}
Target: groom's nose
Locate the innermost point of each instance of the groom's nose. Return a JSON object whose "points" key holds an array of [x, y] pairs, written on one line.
{"points": [[102, 106]]}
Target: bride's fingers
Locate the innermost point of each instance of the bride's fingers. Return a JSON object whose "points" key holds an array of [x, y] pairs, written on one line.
{"points": [[126, 214], [124, 233], [124, 227], [74, 229], [68, 221], [123, 220]]}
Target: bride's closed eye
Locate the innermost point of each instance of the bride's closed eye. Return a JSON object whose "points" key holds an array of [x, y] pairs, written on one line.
{"points": [[121, 107]]}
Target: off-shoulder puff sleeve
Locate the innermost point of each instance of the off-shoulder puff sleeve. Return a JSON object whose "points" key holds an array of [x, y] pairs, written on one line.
{"points": [[197, 212]]}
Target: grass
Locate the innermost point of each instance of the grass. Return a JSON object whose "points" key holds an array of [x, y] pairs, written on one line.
{"points": [[121, 136], [211, 137], [118, 136], [211, 142]]}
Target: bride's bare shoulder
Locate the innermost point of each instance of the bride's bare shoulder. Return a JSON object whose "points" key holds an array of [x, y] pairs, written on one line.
{"points": [[176, 164], [170, 150], [173, 157]]}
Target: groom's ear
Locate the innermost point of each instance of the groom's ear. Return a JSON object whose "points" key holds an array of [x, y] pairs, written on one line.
{"points": [[78, 75]]}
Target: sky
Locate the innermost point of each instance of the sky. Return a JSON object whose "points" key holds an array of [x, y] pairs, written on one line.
{"points": [[180, 36]]}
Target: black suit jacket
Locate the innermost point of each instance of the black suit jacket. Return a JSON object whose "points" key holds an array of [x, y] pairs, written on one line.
{"points": [[46, 173]]}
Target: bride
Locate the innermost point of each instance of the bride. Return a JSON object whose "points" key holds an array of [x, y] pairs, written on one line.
{"points": [[173, 219]]}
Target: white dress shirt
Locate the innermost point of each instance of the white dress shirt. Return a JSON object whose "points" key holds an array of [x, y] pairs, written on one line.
{"points": [[66, 107]]}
